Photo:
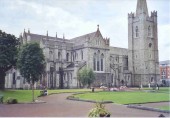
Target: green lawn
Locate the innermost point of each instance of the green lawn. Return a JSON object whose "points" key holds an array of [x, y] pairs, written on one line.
{"points": [[117, 97], [20, 95], [165, 108], [26, 95], [125, 97], [161, 89]]}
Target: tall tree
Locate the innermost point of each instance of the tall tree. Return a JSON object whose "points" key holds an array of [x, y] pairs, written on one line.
{"points": [[86, 76], [8, 55], [31, 63]]}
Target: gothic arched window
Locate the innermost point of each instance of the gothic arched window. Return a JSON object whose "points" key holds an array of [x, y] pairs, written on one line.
{"points": [[76, 55], [51, 55], [59, 56], [102, 57], [149, 31], [98, 60], [82, 54], [94, 61], [152, 79], [67, 57], [136, 31], [14, 81]]}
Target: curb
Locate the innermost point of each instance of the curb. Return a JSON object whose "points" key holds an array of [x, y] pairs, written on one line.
{"points": [[148, 108], [91, 101], [36, 102], [145, 103]]}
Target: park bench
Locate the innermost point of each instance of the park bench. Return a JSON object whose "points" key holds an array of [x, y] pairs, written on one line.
{"points": [[1, 98]]}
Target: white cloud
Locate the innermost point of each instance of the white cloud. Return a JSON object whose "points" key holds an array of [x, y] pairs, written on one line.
{"points": [[79, 17], [164, 42]]}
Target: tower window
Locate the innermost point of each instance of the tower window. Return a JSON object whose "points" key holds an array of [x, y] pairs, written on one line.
{"points": [[150, 45], [149, 31], [137, 32]]}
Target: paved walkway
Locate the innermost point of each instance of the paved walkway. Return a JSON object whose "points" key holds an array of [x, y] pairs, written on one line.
{"points": [[57, 106], [157, 105]]}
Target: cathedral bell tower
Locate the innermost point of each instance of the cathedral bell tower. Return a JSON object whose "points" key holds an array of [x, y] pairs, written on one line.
{"points": [[143, 46]]}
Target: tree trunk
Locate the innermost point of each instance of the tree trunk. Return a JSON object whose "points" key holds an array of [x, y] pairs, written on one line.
{"points": [[33, 92], [2, 80]]}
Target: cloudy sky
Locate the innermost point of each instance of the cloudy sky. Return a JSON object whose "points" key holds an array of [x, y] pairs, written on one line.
{"points": [[78, 17]]}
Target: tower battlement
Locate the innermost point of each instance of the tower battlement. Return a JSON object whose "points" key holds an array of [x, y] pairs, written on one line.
{"points": [[154, 13], [131, 15]]}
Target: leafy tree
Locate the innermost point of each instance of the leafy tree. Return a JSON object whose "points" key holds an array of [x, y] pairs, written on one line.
{"points": [[8, 55], [31, 63], [86, 76]]}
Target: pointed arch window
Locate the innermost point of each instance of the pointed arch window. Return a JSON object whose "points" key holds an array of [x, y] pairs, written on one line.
{"points": [[136, 31], [102, 57], [67, 57], [59, 56], [76, 55], [14, 81], [51, 55], [94, 62], [98, 60], [149, 31], [82, 54]]}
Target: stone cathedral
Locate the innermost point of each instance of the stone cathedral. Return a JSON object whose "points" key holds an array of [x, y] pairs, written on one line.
{"points": [[113, 66]]}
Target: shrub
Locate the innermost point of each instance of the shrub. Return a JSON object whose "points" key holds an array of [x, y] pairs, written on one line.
{"points": [[11, 100], [70, 97], [99, 111]]}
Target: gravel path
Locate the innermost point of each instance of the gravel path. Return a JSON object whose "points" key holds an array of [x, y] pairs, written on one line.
{"points": [[57, 106]]}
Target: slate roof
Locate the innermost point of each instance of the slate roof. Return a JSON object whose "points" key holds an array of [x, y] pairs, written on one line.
{"points": [[52, 41], [84, 37], [38, 37]]}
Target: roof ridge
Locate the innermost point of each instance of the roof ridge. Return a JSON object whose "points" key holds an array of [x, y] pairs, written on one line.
{"points": [[44, 36], [83, 35]]}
